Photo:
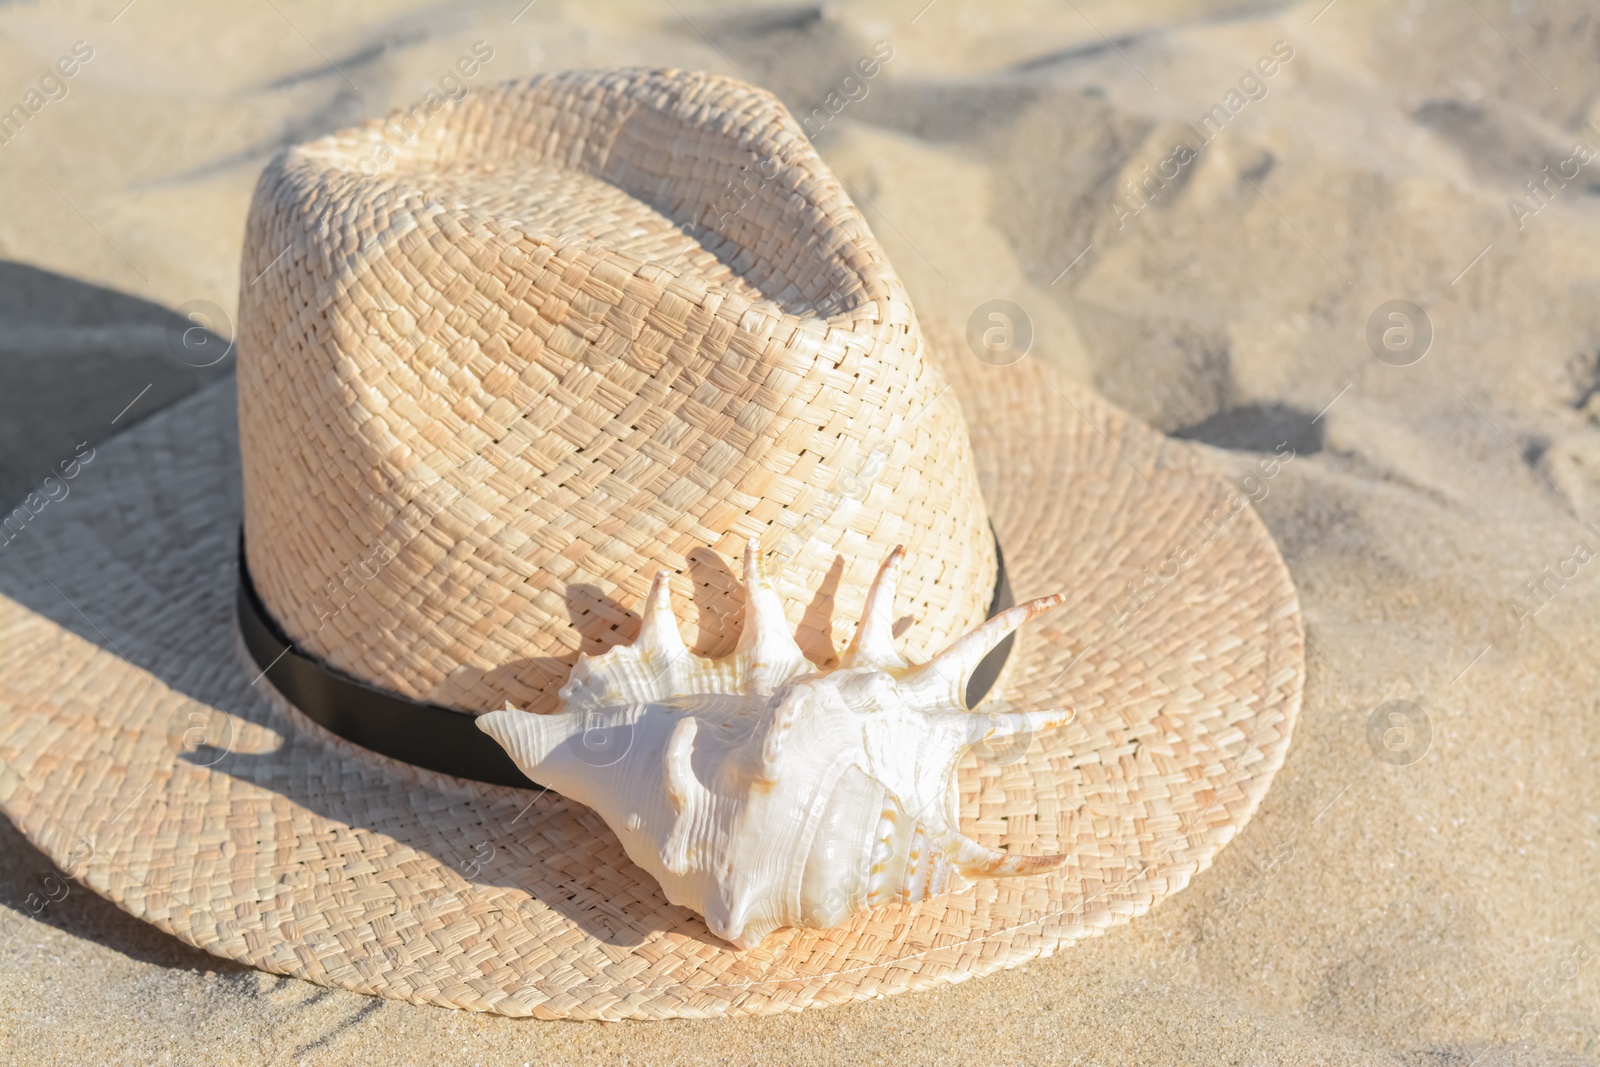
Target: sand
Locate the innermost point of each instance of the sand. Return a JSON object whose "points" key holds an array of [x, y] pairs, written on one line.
{"points": [[1438, 906]]}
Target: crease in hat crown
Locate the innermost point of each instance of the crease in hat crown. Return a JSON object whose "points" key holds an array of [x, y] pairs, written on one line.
{"points": [[581, 328]]}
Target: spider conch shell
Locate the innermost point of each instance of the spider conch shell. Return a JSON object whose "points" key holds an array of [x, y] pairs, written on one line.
{"points": [[763, 792]]}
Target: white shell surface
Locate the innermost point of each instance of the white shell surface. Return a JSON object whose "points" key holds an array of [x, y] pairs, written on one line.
{"points": [[763, 792]]}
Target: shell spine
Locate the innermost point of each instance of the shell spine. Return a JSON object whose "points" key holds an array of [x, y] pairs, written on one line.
{"points": [[762, 791]]}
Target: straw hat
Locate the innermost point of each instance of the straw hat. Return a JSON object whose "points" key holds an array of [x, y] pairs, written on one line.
{"points": [[493, 373]]}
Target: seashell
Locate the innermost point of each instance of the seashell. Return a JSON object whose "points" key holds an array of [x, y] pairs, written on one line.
{"points": [[763, 792]]}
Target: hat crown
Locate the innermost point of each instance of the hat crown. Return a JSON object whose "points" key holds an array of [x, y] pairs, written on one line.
{"points": [[499, 359]]}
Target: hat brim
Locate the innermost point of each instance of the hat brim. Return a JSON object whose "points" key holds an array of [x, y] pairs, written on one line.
{"points": [[141, 749]]}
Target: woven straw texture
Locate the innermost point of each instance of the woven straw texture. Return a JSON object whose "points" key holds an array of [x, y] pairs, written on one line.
{"points": [[138, 749], [579, 329], [483, 393]]}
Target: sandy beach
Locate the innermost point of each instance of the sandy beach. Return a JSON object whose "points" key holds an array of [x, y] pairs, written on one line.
{"points": [[1347, 249]]}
